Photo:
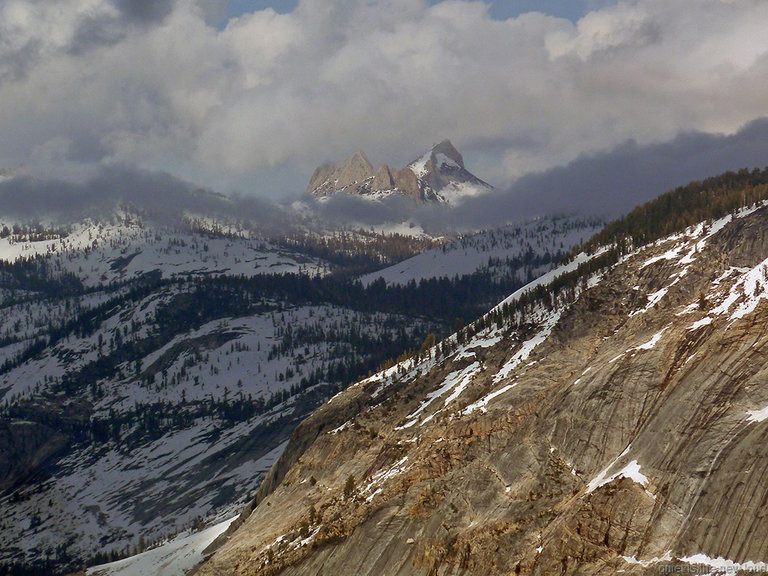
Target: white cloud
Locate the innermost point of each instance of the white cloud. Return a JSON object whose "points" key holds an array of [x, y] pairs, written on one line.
{"points": [[81, 85], [605, 31]]}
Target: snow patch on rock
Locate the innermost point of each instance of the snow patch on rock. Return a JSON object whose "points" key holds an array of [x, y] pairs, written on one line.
{"points": [[631, 471]]}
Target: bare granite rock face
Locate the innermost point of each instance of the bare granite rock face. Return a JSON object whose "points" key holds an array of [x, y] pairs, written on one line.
{"points": [[355, 172], [621, 433], [24, 448], [384, 180], [407, 181], [29, 444]]}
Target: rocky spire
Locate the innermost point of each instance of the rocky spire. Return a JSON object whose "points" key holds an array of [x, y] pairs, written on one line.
{"points": [[355, 170], [383, 179], [351, 173]]}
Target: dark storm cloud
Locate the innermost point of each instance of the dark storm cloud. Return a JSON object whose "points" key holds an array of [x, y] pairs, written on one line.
{"points": [[607, 185], [161, 196], [345, 209], [94, 32], [613, 183], [15, 64]]}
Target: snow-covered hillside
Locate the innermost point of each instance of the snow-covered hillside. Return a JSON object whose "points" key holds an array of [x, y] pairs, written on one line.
{"points": [[150, 376], [180, 433], [125, 248], [521, 252]]}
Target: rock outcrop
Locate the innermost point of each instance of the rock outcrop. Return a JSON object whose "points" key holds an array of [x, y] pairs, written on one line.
{"points": [[32, 442], [25, 448], [621, 428]]}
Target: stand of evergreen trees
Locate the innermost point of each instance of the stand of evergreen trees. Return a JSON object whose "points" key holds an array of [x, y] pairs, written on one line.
{"points": [[682, 207]]}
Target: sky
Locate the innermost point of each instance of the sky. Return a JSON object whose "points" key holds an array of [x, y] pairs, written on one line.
{"points": [[498, 9], [250, 96]]}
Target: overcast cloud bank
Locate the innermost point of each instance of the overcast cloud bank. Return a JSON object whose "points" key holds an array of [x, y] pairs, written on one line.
{"points": [[606, 185], [258, 104]]}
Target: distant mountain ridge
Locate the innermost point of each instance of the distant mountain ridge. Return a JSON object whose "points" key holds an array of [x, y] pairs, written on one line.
{"points": [[437, 176]]}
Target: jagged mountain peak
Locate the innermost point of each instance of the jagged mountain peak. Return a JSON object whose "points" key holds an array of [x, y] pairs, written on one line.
{"points": [[443, 176], [360, 157], [447, 149], [332, 177], [439, 176], [355, 169]]}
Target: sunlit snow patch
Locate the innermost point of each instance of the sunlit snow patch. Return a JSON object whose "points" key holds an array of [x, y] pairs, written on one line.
{"points": [[483, 402], [374, 486], [714, 565], [631, 471], [757, 415], [455, 383], [528, 346], [700, 323], [419, 167], [654, 299], [175, 558], [668, 255], [652, 342], [749, 289], [667, 557]]}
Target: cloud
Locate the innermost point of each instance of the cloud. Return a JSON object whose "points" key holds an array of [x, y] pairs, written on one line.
{"points": [[607, 184], [610, 184], [142, 11], [256, 105], [38, 32], [161, 196], [605, 32]]}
